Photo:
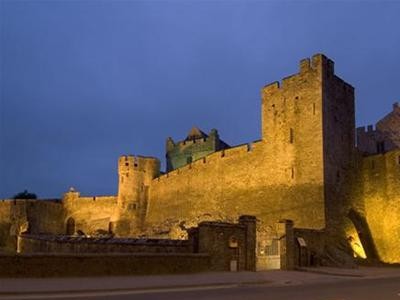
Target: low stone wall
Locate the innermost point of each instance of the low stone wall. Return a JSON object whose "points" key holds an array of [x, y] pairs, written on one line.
{"points": [[57, 265], [212, 246], [72, 244]]}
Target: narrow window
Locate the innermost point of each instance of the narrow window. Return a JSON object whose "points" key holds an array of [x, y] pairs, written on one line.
{"points": [[291, 136], [110, 227], [292, 175], [380, 147], [313, 108], [70, 226]]}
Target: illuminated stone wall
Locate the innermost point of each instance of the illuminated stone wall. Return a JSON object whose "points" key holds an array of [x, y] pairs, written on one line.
{"points": [[89, 214], [16, 216], [280, 177], [385, 137], [378, 199]]}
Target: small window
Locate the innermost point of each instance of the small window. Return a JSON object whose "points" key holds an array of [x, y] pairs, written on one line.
{"points": [[127, 164], [111, 227], [291, 135], [313, 108], [135, 165], [292, 171], [380, 147], [297, 97]]}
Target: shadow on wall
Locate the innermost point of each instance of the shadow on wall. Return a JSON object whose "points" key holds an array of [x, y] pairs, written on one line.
{"points": [[364, 234]]}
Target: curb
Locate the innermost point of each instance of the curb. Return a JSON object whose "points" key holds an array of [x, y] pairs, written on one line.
{"points": [[330, 273]]}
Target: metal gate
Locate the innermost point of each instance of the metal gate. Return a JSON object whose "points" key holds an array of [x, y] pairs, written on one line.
{"points": [[268, 254]]}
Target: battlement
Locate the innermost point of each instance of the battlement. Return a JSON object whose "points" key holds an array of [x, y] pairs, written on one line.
{"points": [[382, 137], [382, 164], [213, 136], [194, 147], [138, 163], [317, 63], [212, 158], [366, 129]]}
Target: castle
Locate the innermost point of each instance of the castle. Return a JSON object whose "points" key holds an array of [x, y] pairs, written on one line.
{"points": [[306, 168]]}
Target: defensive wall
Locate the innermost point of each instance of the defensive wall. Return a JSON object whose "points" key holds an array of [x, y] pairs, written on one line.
{"points": [[377, 198], [385, 136], [17, 216], [280, 177], [87, 214]]}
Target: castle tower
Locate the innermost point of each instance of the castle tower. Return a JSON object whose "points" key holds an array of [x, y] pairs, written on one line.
{"points": [[135, 174], [196, 146], [308, 125]]}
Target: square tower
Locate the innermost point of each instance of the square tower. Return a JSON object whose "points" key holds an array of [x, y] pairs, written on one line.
{"points": [[308, 127]]}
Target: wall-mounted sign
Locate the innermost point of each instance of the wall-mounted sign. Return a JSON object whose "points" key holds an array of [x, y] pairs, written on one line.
{"points": [[233, 242], [301, 242]]}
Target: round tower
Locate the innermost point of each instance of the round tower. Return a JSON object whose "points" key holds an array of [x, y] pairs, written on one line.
{"points": [[135, 174]]}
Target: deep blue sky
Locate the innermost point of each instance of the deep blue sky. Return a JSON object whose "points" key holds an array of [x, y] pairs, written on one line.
{"points": [[83, 82]]}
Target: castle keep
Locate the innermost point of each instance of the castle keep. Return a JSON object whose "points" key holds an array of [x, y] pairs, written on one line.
{"points": [[305, 168]]}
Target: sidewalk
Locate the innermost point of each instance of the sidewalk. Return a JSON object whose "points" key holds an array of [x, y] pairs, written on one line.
{"points": [[159, 282]]}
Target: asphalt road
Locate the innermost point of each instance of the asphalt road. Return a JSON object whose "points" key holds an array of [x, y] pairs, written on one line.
{"points": [[363, 289]]}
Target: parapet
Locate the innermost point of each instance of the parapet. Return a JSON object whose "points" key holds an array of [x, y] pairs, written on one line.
{"points": [[363, 129], [317, 62], [139, 163]]}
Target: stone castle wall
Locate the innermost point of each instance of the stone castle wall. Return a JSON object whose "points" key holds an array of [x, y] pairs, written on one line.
{"points": [[377, 199], [89, 214], [279, 177], [18, 216]]}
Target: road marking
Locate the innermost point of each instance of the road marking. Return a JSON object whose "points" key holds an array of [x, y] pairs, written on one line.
{"points": [[56, 295]]}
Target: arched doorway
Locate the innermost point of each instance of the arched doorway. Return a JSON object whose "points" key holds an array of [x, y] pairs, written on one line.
{"points": [[70, 226]]}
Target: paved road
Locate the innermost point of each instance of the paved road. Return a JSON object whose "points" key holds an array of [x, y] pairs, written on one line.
{"points": [[362, 289]]}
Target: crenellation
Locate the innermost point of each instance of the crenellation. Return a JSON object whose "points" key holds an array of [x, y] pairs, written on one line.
{"points": [[270, 88], [305, 65]]}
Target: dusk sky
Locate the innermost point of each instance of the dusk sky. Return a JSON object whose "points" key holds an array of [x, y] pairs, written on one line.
{"points": [[83, 82]]}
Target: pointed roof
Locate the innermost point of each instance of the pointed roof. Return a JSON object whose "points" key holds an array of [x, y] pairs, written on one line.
{"points": [[196, 133]]}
